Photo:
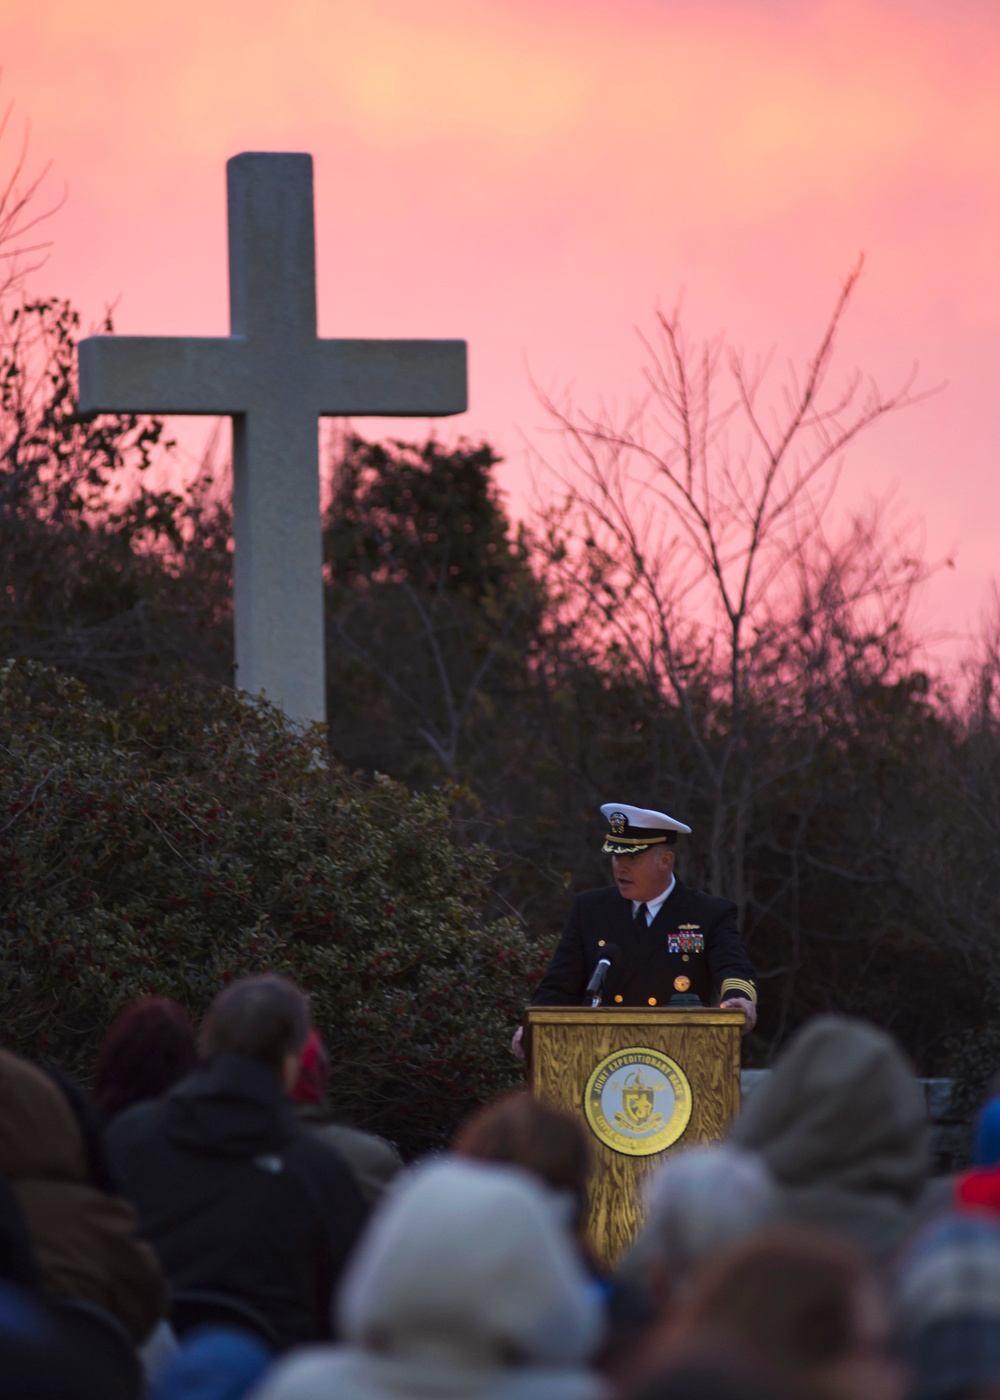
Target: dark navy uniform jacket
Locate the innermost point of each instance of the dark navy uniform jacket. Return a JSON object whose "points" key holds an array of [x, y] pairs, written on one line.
{"points": [[694, 936]]}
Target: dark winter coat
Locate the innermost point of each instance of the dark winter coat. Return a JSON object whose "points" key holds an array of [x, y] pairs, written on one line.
{"points": [[693, 939], [237, 1197]]}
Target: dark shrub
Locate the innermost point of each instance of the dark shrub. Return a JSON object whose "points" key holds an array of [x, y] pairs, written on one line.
{"points": [[187, 838]]}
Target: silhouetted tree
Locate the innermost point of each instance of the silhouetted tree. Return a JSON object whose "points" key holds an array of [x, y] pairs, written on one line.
{"points": [[100, 576], [678, 532]]}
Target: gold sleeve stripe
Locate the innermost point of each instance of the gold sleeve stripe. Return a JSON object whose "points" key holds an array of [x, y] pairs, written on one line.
{"points": [[737, 985]]}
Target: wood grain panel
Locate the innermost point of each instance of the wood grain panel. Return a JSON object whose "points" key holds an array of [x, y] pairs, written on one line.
{"points": [[565, 1043]]}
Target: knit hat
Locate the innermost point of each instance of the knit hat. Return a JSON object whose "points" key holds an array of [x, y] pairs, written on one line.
{"points": [[979, 1189], [314, 1071], [947, 1306], [465, 1286]]}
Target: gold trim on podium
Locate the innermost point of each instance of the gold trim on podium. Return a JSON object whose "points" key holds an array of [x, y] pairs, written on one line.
{"points": [[646, 1081]]}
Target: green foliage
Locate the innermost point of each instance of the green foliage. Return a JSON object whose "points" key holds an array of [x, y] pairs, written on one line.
{"points": [[185, 838]]}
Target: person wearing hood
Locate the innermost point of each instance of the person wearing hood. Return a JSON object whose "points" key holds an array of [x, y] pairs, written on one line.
{"points": [[84, 1239], [237, 1197], [842, 1125], [465, 1285]]}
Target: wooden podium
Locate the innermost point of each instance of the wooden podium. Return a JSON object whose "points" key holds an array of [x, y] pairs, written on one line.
{"points": [[645, 1081]]}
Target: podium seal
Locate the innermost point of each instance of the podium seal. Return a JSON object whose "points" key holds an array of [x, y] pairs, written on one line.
{"points": [[637, 1101]]}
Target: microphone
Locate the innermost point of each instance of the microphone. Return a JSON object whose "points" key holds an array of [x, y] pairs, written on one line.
{"points": [[593, 989]]}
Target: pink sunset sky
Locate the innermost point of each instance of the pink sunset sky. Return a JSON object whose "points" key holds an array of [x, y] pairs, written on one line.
{"points": [[536, 177]]}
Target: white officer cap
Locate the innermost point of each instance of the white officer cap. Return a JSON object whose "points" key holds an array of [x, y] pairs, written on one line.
{"points": [[634, 829]]}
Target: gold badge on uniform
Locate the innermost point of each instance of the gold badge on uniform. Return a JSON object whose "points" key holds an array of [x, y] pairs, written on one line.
{"points": [[637, 1101], [681, 984], [619, 823]]}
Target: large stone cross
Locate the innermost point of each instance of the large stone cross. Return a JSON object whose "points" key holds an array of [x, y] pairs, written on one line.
{"points": [[275, 378]]}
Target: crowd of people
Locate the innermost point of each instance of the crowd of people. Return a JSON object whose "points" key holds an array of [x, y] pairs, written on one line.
{"points": [[200, 1228]]}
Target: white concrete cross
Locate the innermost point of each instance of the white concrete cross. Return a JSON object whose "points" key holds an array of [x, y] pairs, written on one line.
{"points": [[275, 378]]}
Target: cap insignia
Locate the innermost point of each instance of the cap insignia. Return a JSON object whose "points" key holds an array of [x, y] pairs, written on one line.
{"points": [[619, 823]]}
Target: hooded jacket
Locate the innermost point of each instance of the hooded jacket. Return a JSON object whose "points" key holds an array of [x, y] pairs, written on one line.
{"points": [[842, 1125], [237, 1197], [84, 1239], [466, 1286]]}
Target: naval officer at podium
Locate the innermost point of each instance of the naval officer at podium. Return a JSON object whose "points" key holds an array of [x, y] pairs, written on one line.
{"points": [[665, 939]]}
